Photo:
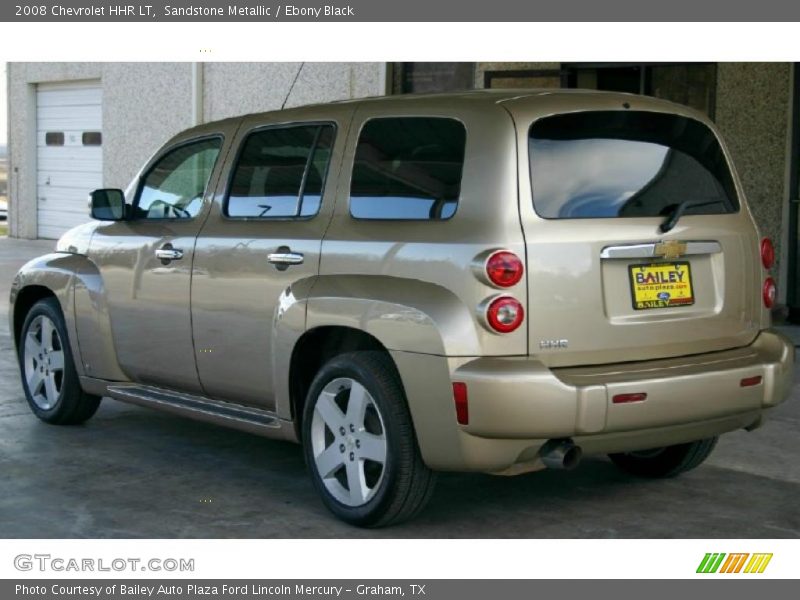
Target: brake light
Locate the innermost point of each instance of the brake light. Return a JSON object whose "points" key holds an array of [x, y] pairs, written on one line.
{"points": [[504, 268], [767, 253], [770, 291], [505, 314], [460, 399]]}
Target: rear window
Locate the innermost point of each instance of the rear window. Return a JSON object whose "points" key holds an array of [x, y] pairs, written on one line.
{"points": [[627, 164], [408, 168]]}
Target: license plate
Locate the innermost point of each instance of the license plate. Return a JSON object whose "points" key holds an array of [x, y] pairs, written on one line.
{"points": [[661, 285]]}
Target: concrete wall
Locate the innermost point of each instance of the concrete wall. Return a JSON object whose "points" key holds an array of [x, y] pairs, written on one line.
{"points": [[146, 103], [753, 113]]}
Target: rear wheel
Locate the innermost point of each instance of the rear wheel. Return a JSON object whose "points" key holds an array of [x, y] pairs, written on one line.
{"points": [[359, 442], [49, 379], [665, 462]]}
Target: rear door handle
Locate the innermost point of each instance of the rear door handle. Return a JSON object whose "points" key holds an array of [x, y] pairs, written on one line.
{"points": [[285, 258], [167, 253]]}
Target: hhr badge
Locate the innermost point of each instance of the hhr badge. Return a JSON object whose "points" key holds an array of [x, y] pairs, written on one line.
{"points": [[553, 344]]}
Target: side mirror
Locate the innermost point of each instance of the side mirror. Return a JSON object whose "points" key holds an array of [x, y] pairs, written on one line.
{"points": [[107, 205]]}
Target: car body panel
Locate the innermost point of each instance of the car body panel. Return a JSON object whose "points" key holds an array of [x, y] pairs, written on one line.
{"points": [[149, 300], [239, 356]]}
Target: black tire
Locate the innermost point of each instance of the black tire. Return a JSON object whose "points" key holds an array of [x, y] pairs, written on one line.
{"points": [[73, 406], [406, 483], [665, 462]]}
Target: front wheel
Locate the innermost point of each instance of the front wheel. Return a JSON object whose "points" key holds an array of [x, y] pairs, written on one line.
{"points": [[665, 462], [49, 378], [359, 442]]}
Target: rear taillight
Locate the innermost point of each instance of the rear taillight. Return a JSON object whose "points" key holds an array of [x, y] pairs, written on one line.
{"points": [[504, 268], [767, 253], [504, 314], [769, 292]]}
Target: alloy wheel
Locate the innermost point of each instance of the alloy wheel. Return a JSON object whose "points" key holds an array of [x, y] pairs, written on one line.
{"points": [[348, 441], [44, 362]]}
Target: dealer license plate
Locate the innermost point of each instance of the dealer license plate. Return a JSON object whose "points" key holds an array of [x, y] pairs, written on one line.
{"points": [[661, 285]]}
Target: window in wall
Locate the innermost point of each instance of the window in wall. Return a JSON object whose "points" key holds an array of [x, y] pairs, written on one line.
{"points": [[408, 168], [280, 173], [54, 138], [692, 84], [422, 77], [92, 138], [175, 186]]}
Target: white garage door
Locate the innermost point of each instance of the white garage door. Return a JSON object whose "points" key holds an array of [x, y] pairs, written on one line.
{"points": [[69, 154]]}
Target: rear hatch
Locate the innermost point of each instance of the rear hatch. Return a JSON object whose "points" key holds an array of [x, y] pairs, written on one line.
{"points": [[639, 245]]}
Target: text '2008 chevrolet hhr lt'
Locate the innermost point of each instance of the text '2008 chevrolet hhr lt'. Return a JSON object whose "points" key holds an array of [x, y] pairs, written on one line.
{"points": [[488, 281]]}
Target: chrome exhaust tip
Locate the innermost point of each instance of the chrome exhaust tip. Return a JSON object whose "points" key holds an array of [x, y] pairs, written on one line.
{"points": [[560, 454]]}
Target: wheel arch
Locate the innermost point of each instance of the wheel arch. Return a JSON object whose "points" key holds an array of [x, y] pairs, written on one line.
{"points": [[316, 347]]}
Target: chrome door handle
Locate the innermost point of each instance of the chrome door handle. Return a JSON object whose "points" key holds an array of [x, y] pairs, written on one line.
{"points": [[167, 253], [285, 258]]}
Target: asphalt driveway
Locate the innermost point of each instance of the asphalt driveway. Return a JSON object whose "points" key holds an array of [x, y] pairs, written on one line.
{"points": [[133, 472]]}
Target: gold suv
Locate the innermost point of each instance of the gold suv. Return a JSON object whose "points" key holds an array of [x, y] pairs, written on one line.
{"points": [[487, 281]]}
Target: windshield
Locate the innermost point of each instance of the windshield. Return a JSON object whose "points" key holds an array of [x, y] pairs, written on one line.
{"points": [[627, 164]]}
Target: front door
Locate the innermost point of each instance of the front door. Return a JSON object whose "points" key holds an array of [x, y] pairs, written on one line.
{"points": [[146, 265], [260, 247]]}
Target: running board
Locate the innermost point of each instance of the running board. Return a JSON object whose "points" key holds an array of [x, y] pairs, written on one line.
{"points": [[201, 408]]}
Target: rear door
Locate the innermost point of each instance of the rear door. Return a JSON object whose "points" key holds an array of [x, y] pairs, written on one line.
{"points": [[612, 277], [259, 247]]}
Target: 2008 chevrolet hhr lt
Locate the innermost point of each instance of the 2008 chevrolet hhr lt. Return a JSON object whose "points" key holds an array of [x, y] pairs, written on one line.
{"points": [[486, 281]]}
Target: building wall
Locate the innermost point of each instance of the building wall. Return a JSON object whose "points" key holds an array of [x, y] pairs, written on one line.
{"points": [[144, 104], [753, 107]]}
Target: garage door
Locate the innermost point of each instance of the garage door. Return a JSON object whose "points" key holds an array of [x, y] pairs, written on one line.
{"points": [[69, 154]]}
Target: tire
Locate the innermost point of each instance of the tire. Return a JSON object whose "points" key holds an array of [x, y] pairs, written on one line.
{"points": [[49, 378], [665, 462], [342, 437]]}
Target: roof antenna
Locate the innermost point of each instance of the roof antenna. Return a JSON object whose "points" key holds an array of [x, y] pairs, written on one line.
{"points": [[291, 87]]}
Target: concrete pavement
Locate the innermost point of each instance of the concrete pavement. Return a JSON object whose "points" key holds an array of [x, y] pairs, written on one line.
{"points": [[133, 472]]}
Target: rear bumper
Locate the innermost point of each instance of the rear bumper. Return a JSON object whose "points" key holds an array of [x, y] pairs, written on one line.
{"points": [[517, 404]]}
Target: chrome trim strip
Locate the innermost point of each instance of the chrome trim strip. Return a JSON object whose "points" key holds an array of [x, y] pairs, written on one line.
{"points": [[648, 250]]}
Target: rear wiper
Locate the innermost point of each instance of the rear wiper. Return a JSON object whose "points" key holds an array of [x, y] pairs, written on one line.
{"points": [[676, 213]]}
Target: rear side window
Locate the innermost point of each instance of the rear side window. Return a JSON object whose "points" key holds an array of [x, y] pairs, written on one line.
{"points": [[408, 168], [280, 173], [627, 164]]}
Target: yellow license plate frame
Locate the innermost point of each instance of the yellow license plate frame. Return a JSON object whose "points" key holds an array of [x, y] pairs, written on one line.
{"points": [[661, 285]]}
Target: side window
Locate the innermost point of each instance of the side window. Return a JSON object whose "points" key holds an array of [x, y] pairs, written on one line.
{"points": [[280, 173], [408, 168], [175, 186]]}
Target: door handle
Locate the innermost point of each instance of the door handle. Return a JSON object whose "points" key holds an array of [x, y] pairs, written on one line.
{"points": [[285, 258], [167, 253]]}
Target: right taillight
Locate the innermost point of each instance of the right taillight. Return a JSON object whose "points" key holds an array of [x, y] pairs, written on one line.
{"points": [[769, 292], [504, 314], [504, 268], [767, 253]]}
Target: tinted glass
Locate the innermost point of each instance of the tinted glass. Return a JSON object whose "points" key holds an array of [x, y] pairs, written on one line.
{"points": [[627, 164], [408, 168], [54, 138], [281, 173], [175, 186]]}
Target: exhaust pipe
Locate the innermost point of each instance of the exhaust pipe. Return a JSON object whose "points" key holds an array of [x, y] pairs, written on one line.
{"points": [[560, 454]]}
